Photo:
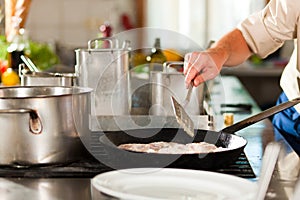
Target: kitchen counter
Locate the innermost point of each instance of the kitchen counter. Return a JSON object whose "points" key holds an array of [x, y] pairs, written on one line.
{"points": [[267, 69], [222, 90], [260, 80]]}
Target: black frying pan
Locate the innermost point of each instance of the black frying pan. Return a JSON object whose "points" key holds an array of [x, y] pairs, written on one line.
{"points": [[119, 159]]}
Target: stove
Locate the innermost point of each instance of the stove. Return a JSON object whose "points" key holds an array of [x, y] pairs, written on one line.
{"points": [[89, 167]]}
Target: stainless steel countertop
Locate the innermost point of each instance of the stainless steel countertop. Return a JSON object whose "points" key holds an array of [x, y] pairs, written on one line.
{"points": [[224, 89]]}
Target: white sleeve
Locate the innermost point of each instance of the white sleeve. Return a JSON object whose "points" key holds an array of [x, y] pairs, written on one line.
{"points": [[266, 31]]}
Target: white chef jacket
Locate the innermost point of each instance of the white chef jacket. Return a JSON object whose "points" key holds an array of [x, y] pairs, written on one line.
{"points": [[268, 29]]}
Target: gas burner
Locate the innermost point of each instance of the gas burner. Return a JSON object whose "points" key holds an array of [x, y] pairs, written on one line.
{"points": [[90, 167]]}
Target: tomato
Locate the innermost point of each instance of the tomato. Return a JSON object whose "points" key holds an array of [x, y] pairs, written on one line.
{"points": [[3, 66]]}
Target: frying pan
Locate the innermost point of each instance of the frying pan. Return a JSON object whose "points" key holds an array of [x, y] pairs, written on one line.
{"points": [[234, 144]]}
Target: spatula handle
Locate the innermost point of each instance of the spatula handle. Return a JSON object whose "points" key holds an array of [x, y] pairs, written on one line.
{"points": [[260, 116], [189, 93]]}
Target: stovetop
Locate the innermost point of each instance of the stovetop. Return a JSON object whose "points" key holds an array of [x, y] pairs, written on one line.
{"points": [[90, 167]]}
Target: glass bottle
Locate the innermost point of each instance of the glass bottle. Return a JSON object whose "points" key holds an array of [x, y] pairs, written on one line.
{"points": [[16, 47], [157, 57]]}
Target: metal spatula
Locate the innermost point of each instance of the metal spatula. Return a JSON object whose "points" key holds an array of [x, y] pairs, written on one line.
{"points": [[188, 96], [181, 115]]}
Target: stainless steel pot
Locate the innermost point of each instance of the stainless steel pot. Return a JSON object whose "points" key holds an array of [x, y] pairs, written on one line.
{"points": [[167, 83], [33, 78], [41, 124], [106, 70]]}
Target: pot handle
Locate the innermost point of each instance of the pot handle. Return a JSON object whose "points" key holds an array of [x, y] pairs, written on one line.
{"points": [[126, 45], [168, 64], [35, 124], [95, 42]]}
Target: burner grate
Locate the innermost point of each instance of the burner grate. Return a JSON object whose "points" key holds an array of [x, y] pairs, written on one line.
{"points": [[241, 168], [88, 168]]}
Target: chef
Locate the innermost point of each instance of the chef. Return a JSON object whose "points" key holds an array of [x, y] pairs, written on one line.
{"points": [[16, 12], [261, 33]]}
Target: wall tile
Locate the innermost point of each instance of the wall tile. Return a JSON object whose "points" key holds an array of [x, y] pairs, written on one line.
{"points": [[74, 22]]}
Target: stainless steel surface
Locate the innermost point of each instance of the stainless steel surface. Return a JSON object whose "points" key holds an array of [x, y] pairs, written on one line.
{"points": [[183, 118], [62, 112], [129, 122], [167, 84], [35, 125], [270, 156], [33, 78], [43, 189], [48, 79], [106, 70]]}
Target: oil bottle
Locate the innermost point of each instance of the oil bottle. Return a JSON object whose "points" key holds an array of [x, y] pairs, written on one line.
{"points": [[16, 47], [157, 57]]}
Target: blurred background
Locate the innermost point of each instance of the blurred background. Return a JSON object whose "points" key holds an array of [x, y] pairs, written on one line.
{"points": [[74, 22], [65, 25]]}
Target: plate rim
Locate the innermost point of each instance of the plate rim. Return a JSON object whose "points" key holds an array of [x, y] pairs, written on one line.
{"points": [[120, 194]]}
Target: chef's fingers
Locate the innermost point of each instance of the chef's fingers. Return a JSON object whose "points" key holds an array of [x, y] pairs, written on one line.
{"points": [[193, 66], [191, 75], [206, 74], [192, 60], [186, 62], [198, 80], [199, 66]]}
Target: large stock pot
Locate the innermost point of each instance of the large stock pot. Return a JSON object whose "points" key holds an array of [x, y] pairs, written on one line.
{"points": [[106, 70], [167, 83], [41, 124]]}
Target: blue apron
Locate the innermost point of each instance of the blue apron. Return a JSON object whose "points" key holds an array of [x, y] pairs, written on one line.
{"points": [[288, 120]]}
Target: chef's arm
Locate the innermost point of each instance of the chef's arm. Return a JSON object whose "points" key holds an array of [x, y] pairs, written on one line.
{"points": [[232, 49]]}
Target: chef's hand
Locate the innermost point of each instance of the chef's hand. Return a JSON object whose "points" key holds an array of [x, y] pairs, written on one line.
{"points": [[200, 67], [231, 50]]}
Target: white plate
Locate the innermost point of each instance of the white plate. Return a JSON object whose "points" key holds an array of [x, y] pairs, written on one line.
{"points": [[168, 183]]}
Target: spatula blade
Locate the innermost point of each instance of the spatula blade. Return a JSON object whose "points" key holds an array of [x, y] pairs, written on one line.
{"points": [[183, 118]]}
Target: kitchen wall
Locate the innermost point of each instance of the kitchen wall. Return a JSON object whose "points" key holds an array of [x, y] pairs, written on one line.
{"points": [[201, 20], [74, 22]]}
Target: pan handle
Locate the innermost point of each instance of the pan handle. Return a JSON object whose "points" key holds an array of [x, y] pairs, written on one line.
{"points": [[260, 116], [35, 124]]}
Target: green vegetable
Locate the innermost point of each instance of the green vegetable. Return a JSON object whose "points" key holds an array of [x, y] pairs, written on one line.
{"points": [[3, 47], [40, 53]]}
